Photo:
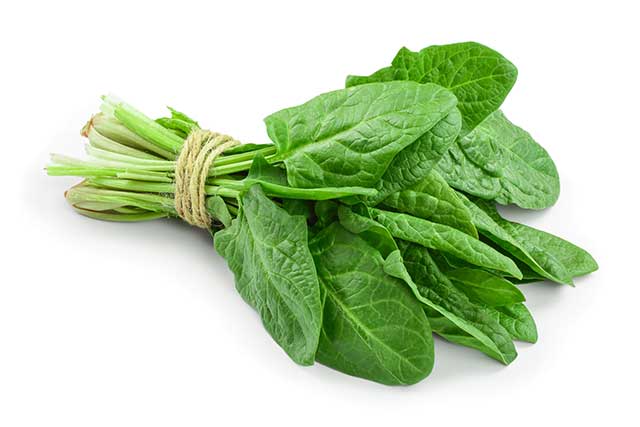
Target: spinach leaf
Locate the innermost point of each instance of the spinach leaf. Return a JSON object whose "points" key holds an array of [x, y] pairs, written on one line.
{"points": [[178, 126], [266, 248], [274, 182], [490, 224], [517, 320], [298, 207], [433, 199], [504, 305], [528, 275], [326, 212], [547, 248], [492, 158], [178, 115], [356, 219], [414, 163], [263, 172], [550, 252], [179, 123], [478, 76], [446, 239], [373, 327], [485, 288], [438, 294], [349, 137], [218, 209], [500, 161], [450, 312]]}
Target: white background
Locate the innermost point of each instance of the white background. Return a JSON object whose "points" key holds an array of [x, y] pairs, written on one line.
{"points": [[105, 324]]}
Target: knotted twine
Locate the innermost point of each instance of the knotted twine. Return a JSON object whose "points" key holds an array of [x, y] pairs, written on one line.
{"points": [[198, 153]]}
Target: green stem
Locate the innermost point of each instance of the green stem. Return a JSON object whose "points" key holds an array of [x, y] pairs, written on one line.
{"points": [[110, 127], [141, 187], [143, 126], [97, 140], [87, 195], [234, 168], [149, 130], [249, 155], [121, 217], [131, 168]]}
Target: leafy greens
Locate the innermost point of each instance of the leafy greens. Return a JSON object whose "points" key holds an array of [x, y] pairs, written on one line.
{"points": [[371, 221]]}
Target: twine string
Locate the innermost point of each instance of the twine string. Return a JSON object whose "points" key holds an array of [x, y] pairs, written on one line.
{"points": [[198, 153]]}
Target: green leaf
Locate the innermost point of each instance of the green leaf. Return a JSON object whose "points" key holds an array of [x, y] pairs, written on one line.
{"points": [[274, 182], [178, 127], [438, 293], [175, 114], [530, 276], [263, 171], [298, 207], [484, 287], [500, 161], [517, 320], [266, 248], [217, 208], [326, 212], [547, 248], [373, 327], [446, 239], [558, 259], [513, 317], [362, 224], [433, 199], [450, 312], [492, 158], [411, 165], [349, 137], [478, 76], [489, 222], [179, 122]]}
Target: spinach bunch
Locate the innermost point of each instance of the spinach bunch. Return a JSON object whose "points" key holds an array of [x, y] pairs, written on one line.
{"points": [[370, 223]]}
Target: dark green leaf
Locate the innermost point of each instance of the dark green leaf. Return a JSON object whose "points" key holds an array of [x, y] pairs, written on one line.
{"points": [[263, 171], [558, 258], [298, 207], [489, 222], [547, 248], [499, 161], [373, 232], [450, 312], [433, 199], [350, 136], [484, 287], [446, 239], [478, 76], [517, 320], [437, 294], [217, 208], [326, 212], [492, 158], [411, 165], [266, 248], [274, 182], [373, 327]]}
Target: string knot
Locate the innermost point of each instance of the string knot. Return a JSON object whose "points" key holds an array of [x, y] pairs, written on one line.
{"points": [[198, 153]]}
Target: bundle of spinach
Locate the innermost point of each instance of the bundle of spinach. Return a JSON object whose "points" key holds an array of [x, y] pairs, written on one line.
{"points": [[370, 223]]}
